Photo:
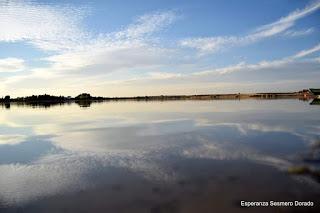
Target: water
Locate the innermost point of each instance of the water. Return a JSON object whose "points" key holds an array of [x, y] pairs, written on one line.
{"points": [[172, 156]]}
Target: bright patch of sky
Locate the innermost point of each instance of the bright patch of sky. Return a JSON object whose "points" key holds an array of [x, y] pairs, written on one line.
{"points": [[124, 48]]}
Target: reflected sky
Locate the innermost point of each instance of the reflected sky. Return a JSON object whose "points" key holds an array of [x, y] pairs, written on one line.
{"points": [[60, 151]]}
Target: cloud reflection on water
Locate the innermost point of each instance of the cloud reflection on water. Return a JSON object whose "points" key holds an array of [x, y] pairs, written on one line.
{"points": [[87, 144]]}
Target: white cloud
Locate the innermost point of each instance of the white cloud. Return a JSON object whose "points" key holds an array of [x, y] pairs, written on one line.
{"points": [[163, 75], [109, 56], [262, 64], [242, 66], [147, 24], [48, 27], [11, 64], [11, 139], [304, 53], [212, 44], [209, 44], [297, 33], [130, 47]]}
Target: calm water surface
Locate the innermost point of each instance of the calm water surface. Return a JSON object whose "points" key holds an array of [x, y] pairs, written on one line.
{"points": [[174, 156]]}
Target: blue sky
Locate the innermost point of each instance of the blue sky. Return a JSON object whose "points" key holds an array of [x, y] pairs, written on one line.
{"points": [[140, 47]]}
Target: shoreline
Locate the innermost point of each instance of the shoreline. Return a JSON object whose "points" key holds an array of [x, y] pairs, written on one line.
{"points": [[47, 100], [262, 95]]}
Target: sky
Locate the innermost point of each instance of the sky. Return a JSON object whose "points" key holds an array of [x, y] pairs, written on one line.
{"points": [[158, 47]]}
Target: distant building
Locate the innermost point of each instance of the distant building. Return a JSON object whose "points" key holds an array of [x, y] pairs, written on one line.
{"points": [[305, 93], [315, 91]]}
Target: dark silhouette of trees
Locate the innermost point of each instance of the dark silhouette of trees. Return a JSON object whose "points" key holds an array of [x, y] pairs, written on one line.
{"points": [[83, 96], [50, 98], [7, 98], [87, 96], [41, 98], [85, 99]]}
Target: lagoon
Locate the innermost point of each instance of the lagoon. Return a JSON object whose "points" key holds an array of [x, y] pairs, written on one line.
{"points": [[159, 156]]}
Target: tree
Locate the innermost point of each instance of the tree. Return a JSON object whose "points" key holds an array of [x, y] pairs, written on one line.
{"points": [[83, 96], [7, 98]]}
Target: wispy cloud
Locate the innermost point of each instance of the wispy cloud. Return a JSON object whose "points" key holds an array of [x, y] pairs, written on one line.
{"points": [[242, 66], [163, 75], [48, 27], [297, 33], [306, 52], [11, 64], [262, 64], [129, 48], [59, 28], [212, 44], [147, 24]]}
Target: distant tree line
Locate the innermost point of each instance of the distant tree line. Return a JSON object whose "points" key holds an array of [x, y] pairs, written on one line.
{"points": [[5, 98], [41, 98], [50, 98]]}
